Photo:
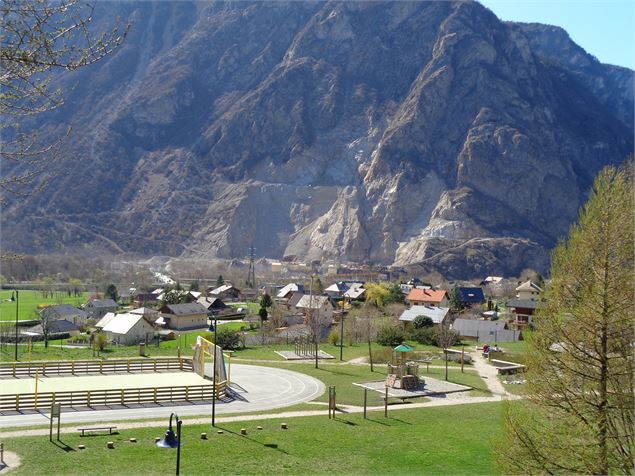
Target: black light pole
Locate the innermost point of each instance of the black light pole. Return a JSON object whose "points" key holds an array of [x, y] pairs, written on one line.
{"points": [[214, 374], [342, 334], [16, 299], [172, 441]]}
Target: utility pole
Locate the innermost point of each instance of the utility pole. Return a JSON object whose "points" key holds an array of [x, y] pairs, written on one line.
{"points": [[251, 274]]}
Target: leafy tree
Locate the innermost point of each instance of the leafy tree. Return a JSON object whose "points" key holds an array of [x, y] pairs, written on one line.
{"points": [[579, 412], [318, 288], [391, 336], [266, 301], [174, 296], [455, 299], [395, 295], [220, 281], [263, 313], [112, 293], [228, 339], [421, 322], [37, 39], [377, 294], [194, 286]]}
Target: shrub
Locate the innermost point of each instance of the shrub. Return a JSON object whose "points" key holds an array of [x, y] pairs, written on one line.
{"points": [[334, 337], [422, 322], [228, 339], [424, 335], [100, 340], [390, 336], [432, 336]]}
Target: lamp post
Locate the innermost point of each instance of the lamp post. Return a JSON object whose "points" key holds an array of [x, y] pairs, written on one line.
{"points": [[342, 335], [173, 441], [15, 297], [214, 371]]}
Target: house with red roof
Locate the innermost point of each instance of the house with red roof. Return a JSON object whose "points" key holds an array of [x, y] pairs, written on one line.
{"points": [[429, 297]]}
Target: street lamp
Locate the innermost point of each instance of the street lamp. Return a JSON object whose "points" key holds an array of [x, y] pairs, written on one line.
{"points": [[15, 297], [214, 371], [173, 441]]}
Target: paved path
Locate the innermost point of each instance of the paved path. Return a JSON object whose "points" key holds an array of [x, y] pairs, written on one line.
{"points": [[257, 389], [488, 373]]}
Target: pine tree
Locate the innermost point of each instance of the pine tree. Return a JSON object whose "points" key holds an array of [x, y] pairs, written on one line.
{"points": [[578, 415]]}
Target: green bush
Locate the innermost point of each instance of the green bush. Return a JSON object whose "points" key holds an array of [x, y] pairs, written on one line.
{"points": [[422, 322], [424, 335], [334, 337], [391, 336], [228, 339], [431, 336]]}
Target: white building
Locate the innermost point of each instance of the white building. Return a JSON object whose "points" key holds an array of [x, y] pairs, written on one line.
{"points": [[128, 329]]}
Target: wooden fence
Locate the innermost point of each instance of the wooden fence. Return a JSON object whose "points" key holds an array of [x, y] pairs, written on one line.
{"points": [[79, 367], [110, 397]]}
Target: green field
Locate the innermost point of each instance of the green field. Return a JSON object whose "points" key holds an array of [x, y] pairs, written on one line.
{"points": [[29, 300], [445, 440]]}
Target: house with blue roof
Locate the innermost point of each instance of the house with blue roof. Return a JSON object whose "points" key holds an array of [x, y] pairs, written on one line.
{"points": [[471, 296]]}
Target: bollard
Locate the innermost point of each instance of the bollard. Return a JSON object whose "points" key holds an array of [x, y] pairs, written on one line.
{"points": [[133, 440], [203, 436], [110, 445], [157, 439], [81, 447], [258, 428], [284, 426], [243, 431], [220, 432]]}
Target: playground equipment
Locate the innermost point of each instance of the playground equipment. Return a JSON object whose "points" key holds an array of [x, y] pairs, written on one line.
{"points": [[403, 374], [205, 348]]}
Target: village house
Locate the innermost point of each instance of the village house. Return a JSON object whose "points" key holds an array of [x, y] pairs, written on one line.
{"points": [[128, 329], [54, 329], [525, 304], [336, 290], [485, 331], [144, 299], [437, 314], [286, 292], [355, 293], [183, 316], [320, 306], [430, 297], [226, 292], [213, 305], [97, 308], [64, 312], [471, 297]]}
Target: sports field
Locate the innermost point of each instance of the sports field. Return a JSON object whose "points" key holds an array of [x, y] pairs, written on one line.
{"points": [[101, 382]]}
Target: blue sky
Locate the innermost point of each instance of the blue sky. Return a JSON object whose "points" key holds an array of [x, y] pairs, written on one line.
{"points": [[604, 28]]}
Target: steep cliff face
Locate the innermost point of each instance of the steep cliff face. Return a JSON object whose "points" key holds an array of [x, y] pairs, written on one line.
{"points": [[422, 133]]}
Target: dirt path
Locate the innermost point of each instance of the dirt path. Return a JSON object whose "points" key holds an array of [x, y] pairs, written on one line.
{"points": [[488, 373], [10, 461]]}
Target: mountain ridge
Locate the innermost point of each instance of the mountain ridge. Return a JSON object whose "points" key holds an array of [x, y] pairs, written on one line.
{"points": [[404, 133]]}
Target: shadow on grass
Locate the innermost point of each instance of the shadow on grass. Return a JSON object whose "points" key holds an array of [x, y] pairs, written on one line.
{"points": [[273, 446], [62, 445]]}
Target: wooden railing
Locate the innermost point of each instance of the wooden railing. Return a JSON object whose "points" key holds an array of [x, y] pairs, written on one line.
{"points": [[110, 397], [79, 367]]}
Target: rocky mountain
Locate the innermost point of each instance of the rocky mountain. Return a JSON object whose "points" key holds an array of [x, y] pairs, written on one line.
{"points": [[407, 133]]}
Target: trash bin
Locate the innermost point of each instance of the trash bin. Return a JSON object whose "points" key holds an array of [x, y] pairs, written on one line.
{"points": [[142, 349]]}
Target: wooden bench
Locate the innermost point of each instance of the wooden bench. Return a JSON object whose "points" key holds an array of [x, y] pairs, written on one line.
{"points": [[98, 428]]}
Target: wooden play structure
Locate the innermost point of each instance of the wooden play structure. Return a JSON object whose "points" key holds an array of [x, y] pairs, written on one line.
{"points": [[220, 374], [403, 374]]}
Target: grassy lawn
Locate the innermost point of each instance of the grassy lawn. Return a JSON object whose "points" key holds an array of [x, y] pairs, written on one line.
{"points": [[344, 375], [29, 300], [444, 440]]}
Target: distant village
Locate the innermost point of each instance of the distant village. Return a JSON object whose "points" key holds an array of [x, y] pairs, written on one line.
{"points": [[494, 310]]}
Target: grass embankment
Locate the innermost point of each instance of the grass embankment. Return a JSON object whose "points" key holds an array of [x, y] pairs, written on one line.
{"points": [[28, 302], [444, 440]]}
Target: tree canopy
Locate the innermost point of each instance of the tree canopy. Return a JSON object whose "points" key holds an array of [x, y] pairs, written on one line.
{"points": [[578, 415], [40, 38]]}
